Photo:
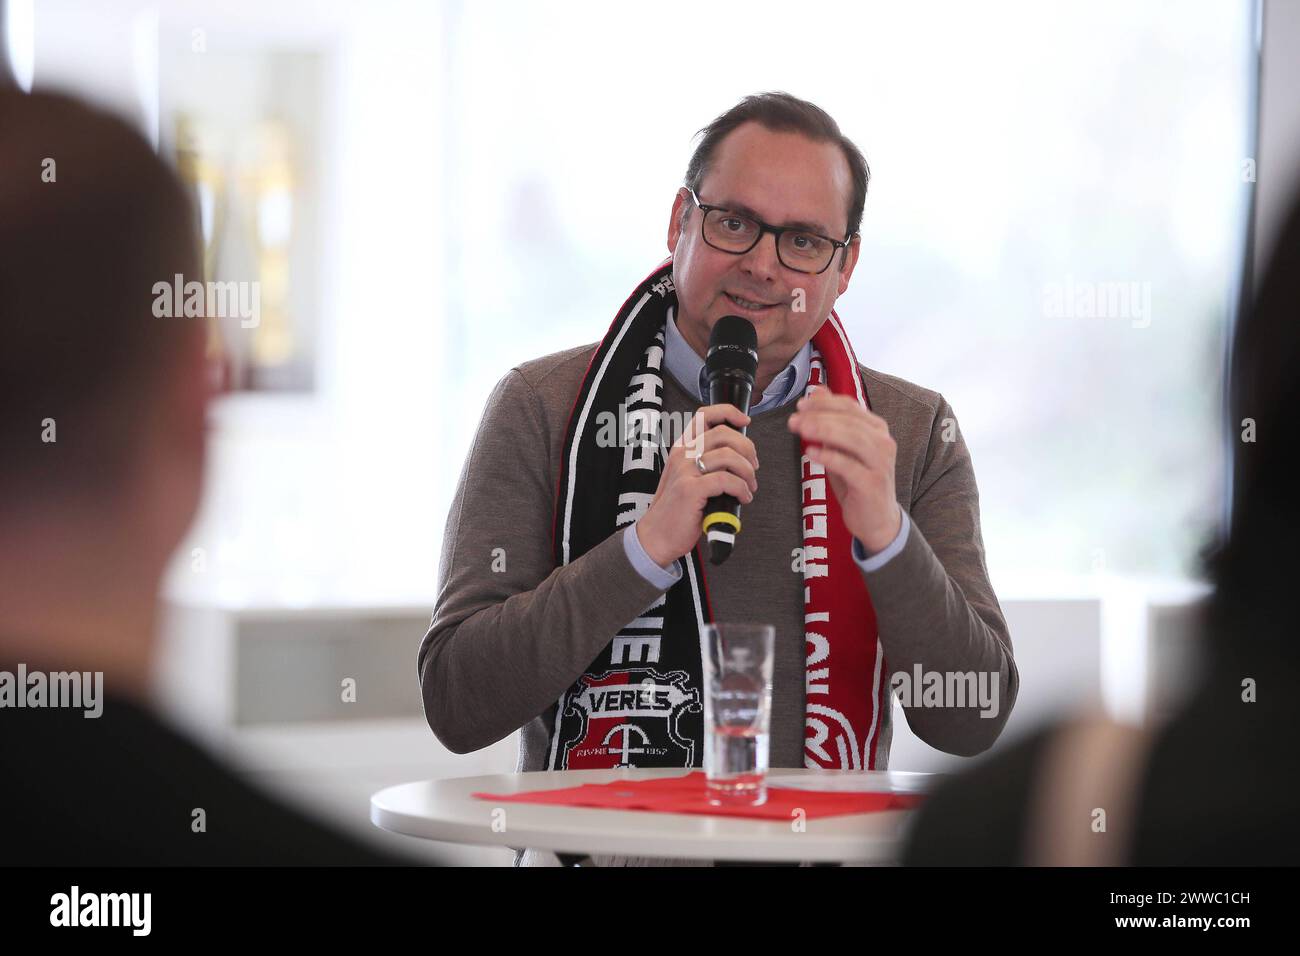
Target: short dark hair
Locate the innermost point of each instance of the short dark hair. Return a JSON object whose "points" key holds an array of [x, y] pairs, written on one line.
{"points": [[90, 219], [782, 113]]}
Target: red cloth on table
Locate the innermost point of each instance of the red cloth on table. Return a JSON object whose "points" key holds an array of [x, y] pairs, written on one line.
{"points": [[687, 794]]}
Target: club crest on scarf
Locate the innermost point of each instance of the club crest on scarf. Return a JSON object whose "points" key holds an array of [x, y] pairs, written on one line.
{"points": [[640, 702], [630, 717]]}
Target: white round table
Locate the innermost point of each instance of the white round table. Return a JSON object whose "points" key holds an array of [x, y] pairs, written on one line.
{"points": [[444, 810]]}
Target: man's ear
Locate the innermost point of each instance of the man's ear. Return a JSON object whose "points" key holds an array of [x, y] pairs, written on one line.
{"points": [[850, 254], [190, 393], [675, 224]]}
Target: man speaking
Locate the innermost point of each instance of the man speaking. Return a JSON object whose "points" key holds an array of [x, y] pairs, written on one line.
{"points": [[573, 561]]}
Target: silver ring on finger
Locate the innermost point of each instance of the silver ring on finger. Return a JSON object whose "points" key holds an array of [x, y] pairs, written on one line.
{"points": [[699, 463]]}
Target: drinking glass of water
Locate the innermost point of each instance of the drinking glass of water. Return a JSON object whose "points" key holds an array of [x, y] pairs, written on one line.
{"points": [[737, 710]]}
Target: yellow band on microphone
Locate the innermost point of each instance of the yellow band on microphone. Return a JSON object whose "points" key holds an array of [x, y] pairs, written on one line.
{"points": [[721, 517]]}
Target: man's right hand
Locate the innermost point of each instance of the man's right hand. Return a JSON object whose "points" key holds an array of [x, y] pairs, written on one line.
{"points": [[670, 527]]}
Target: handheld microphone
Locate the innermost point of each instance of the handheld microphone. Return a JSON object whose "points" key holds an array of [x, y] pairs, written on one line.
{"points": [[731, 365]]}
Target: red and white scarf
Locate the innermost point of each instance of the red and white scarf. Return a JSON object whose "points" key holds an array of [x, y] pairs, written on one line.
{"points": [[640, 702]]}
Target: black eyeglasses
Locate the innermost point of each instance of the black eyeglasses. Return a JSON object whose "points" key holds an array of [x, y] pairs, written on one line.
{"points": [[736, 233]]}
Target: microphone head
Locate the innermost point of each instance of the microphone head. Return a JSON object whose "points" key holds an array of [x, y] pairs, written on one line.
{"points": [[733, 345]]}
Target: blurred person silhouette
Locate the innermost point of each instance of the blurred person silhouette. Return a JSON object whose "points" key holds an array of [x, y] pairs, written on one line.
{"points": [[1214, 785], [102, 447]]}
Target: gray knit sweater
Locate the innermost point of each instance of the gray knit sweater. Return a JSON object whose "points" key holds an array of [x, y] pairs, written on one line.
{"points": [[511, 631]]}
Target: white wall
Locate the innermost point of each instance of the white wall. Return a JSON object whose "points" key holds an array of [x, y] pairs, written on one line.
{"points": [[1278, 167]]}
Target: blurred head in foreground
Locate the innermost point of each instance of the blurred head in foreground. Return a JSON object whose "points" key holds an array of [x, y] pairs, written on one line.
{"points": [[1254, 570], [102, 426], [1214, 784], [102, 404]]}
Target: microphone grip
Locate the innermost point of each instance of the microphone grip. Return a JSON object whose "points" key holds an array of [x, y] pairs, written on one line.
{"points": [[721, 521]]}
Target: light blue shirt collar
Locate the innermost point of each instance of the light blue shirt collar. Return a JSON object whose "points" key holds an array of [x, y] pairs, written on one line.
{"points": [[688, 368]]}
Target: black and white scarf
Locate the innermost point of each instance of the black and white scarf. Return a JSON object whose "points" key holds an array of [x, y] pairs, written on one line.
{"points": [[640, 702]]}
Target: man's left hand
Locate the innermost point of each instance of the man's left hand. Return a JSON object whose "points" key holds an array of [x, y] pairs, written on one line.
{"points": [[853, 444]]}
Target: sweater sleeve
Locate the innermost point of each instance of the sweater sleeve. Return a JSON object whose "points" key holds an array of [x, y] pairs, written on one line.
{"points": [[510, 630], [935, 606]]}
